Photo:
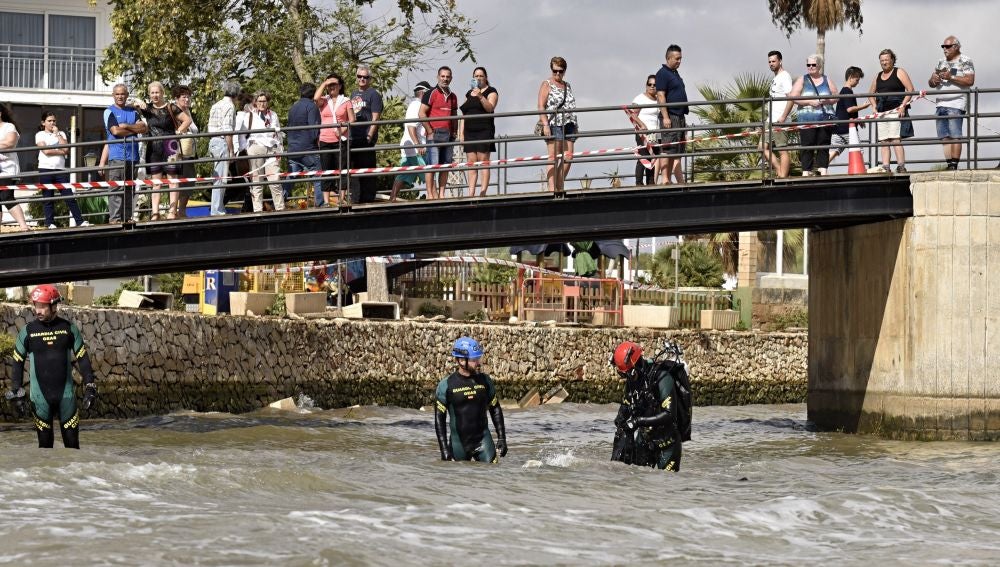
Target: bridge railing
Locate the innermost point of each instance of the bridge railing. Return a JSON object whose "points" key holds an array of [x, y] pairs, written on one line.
{"points": [[714, 152]]}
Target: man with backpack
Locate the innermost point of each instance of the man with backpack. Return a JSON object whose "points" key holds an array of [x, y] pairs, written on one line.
{"points": [[654, 418]]}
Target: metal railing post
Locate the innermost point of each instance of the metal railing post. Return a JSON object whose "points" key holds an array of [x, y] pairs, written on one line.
{"points": [[972, 156], [345, 173]]}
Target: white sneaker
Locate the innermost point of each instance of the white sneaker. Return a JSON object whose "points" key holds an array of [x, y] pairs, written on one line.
{"points": [[807, 173], [821, 171], [51, 226], [84, 223]]}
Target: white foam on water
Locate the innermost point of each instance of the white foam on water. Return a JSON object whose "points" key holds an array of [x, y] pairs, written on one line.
{"points": [[532, 464]]}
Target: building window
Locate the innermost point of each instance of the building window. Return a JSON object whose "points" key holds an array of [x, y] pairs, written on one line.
{"points": [[39, 51]]}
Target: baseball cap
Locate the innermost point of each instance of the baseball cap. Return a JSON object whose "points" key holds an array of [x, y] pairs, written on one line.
{"points": [[422, 86]]}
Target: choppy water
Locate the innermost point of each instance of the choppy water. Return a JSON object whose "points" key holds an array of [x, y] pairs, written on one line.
{"points": [[365, 486]]}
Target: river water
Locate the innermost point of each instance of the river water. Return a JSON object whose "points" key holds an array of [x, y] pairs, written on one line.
{"points": [[365, 487]]}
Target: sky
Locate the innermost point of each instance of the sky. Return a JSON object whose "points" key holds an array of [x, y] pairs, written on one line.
{"points": [[611, 47]]}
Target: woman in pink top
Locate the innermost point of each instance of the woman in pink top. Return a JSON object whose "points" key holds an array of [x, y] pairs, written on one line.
{"points": [[336, 112]]}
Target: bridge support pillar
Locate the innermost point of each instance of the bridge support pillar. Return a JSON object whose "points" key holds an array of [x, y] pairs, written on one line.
{"points": [[904, 317]]}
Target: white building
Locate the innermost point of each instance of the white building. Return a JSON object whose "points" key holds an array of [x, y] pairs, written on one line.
{"points": [[50, 51]]}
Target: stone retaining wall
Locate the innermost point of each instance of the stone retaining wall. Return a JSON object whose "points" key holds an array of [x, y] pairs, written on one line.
{"points": [[157, 362]]}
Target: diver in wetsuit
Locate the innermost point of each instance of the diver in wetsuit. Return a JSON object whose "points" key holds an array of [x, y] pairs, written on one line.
{"points": [[50, 345], [463, 399], [649, 424]]}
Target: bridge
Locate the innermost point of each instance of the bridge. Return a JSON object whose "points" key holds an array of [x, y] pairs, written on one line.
{"points": [[236, 241], [903, 330]]}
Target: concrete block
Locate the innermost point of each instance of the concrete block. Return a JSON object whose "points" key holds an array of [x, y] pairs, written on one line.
{"points": [[979, 199], [963, 199], [532, 398], [283, 404], [371, 310], [81, 294], [305, 302], [457, 309], [946, 198], [719, 319], [257, 302], [651, 316], [556, 395], [546, 312], [993, 197], [145, 299]]}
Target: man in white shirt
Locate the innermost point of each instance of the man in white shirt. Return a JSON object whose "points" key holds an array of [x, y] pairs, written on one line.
{"points": [[781, 85], [412, 141], [952, 74], [222, 119]]}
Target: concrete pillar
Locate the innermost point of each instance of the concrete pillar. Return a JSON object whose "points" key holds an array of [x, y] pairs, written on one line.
{"points": [[904, 317], [747, 269]]}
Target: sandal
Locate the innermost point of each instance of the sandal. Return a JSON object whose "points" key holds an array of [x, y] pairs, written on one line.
{"points": [[154, 217]]}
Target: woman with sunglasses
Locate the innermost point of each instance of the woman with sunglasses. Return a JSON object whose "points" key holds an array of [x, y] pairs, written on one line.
{"points": [[893, 81], [164, 119], [556, 100], [648, 119], [818, 109], [263, 149], [336, 113]]}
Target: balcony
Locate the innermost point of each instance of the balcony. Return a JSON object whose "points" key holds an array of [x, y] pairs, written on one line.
{"points": [[54, 68]]}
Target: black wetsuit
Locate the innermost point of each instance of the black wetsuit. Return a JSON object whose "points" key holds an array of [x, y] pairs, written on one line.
{"points": [[465, 401], [50, 348], [650, 400]]}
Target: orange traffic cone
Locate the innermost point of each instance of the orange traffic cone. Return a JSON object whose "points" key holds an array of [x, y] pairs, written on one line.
{"points": [[855, 161]]}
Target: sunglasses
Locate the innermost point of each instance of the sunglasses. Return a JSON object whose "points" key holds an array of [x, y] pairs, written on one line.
{"points": [[365, 77], [947, 45], [557, 71], [650, 84], [812, 65]]}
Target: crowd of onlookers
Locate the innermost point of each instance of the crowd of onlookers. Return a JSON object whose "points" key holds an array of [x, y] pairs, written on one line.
{"points": [[250, 139]]}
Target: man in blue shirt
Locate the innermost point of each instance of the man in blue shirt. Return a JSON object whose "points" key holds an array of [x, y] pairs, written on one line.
{"points": [[121, 153], [304, 113], [670, 89]]}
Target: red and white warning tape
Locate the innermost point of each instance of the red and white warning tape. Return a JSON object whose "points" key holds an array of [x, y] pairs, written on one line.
{"points": [[156, 183]]}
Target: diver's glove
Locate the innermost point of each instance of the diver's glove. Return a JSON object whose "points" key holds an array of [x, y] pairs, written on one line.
{"points": [[19, 400], [632, 423], [502, 446], [89, 395]]}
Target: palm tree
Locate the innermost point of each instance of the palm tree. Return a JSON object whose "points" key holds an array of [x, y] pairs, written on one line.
{"points": [[820, 15], [735, 158]]}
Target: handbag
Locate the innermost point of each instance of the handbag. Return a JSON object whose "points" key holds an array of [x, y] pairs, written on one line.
{"points": [[173, 149], [241, 165]]}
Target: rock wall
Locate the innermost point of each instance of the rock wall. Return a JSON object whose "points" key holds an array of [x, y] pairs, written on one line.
{"points": [[157, 362]]}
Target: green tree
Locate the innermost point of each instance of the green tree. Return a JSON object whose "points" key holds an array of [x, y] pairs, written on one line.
{"points": [[819, 15], [732, 158], [698, 267], [276, 44]]}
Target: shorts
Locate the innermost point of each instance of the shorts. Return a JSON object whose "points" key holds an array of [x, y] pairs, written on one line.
{"points": [[839, 142], [675, 140], [156, 154], [775, 139], [410, 178], [889, 130], [949, 122], [7, 195], [653, 139], [440, 154], [565, 132]]}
